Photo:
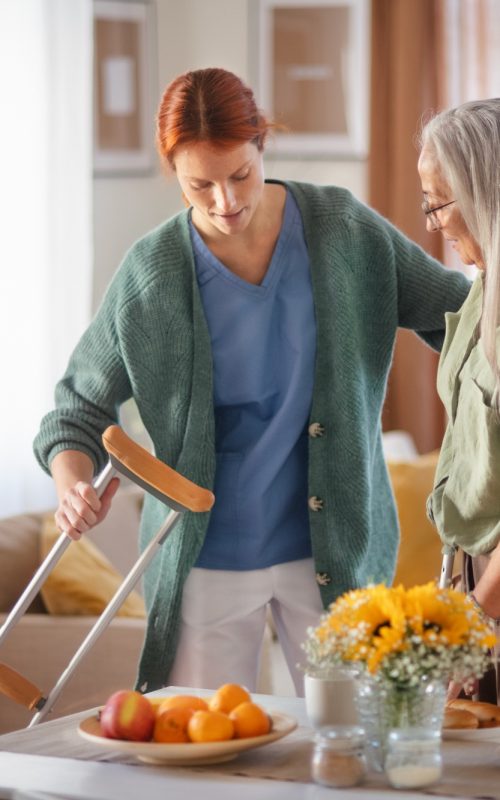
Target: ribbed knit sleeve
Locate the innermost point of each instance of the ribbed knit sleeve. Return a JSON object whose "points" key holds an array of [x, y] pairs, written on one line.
{"points": [[412, 286], [425, 289]]}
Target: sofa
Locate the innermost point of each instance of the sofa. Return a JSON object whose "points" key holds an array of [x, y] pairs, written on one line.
{"points": [[42, 643]]}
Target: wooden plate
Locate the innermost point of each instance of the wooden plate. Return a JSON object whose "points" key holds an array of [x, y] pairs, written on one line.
{"points": [[189, 754]]}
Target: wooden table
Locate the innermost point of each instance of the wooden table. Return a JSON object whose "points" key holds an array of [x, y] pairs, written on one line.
{"points": [[52, 758]]}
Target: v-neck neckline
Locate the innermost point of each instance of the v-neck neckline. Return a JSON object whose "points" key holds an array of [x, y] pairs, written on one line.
{"points": [[272, 273]]}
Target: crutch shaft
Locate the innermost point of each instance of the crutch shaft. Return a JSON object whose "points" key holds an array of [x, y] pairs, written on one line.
{"points": [[447, 569], [108, 614]]}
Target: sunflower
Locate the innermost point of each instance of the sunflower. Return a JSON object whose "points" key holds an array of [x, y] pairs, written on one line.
{"points": [[389, 640], [403, 635], [442, 616], [367, 622], [433, 616], [380, 608]]}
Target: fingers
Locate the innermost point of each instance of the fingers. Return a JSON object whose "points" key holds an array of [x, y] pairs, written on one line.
{"points": [[454, 690], [77, 511], [469, 687], [107, 497], [80, 508]]}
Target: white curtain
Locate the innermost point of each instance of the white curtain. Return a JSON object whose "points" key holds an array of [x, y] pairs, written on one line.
{"points": [[46, 180], [471, 33], [471, 63]]}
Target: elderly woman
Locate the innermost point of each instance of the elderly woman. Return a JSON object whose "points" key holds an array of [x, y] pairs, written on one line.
{"points": [[459, 167]]}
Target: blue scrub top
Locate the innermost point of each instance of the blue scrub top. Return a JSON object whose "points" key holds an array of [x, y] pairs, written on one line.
{"points": [[263, 344]]}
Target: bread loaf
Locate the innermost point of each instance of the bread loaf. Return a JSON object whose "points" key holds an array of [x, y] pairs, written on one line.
{"points": [[487, 714], [456, 718]]}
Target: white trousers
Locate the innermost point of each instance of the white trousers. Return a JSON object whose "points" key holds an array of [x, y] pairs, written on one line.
{"points": [[223, 617]]}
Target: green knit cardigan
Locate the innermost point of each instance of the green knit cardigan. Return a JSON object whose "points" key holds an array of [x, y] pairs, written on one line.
{"points": [[149, 340]]}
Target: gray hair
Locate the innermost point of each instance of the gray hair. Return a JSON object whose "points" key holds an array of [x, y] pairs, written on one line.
{"points": [[466, 143]]}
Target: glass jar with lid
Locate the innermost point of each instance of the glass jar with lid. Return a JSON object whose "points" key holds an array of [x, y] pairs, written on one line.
{"points": [[413, 757], [338, 758]]}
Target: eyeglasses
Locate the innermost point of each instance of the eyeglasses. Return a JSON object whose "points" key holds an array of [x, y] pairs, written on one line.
{"points": [[430, 213]]}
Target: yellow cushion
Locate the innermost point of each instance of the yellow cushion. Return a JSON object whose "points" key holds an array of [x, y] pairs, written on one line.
{"points": [[83, 581], [419, 558]]}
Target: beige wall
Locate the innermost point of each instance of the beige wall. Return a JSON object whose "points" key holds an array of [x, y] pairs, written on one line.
{"points": [[191, 34]]}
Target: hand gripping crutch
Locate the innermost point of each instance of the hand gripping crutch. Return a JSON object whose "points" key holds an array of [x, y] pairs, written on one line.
{"points": [[180, 494], [448, 552]]}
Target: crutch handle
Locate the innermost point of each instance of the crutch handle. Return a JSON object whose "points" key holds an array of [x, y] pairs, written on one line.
{"points": [[153, 475], [18, 688]]}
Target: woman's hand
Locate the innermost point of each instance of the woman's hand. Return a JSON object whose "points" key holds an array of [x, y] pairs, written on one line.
{"points": [[470, 688], [487, 589], [79, 506]]}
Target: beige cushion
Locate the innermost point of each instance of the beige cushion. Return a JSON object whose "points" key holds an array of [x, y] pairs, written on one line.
{"points": [[419, 558], [40, 648], [19, 558], [83, 581]]}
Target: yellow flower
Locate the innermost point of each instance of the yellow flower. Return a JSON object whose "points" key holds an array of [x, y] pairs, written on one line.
{"points": [[390, 640], [403, 634], [433, 616], [366, 624], [443, 616], [378, 607]]}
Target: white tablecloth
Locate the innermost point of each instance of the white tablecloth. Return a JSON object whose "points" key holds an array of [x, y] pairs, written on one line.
{"points": [[53, 756]]}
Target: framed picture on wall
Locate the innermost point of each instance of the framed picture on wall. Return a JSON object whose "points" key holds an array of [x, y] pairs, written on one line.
{"points": [[124, 85], [311, 70]]}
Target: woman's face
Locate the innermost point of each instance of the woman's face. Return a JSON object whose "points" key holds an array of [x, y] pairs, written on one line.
{"points": [[224, 187], [451, 223]]}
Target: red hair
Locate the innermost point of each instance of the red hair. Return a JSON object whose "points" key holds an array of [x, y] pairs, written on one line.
{"points": [[208, 105]]}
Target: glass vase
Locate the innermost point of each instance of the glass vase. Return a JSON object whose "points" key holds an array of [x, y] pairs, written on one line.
{"points": [[384, 706]]}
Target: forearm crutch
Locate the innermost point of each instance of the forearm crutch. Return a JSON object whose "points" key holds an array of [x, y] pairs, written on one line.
{"points": [[180, 494], [448, 552]]}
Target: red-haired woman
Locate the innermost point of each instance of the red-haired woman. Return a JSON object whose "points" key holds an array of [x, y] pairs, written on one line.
{"points": [[255, 332]]}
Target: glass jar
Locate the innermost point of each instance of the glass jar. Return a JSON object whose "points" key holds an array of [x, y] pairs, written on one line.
{"points": [[413, 757], [384, 706], [338, 757]]}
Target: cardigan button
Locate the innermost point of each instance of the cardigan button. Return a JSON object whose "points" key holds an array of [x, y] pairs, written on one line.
{"points": [[316, 429], [315, 503], [323, 578]]}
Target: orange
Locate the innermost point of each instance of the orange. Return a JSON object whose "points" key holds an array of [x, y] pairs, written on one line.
{"points": [[171, 725], [228, 697], [190, 701], [249, 720], [210, 726]]}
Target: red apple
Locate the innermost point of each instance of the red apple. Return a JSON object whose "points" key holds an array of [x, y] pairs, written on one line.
{"points": [[128, 715]]}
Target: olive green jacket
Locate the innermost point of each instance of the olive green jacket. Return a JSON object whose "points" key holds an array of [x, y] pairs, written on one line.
{"points": [[465, 502], [150, 340]]}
